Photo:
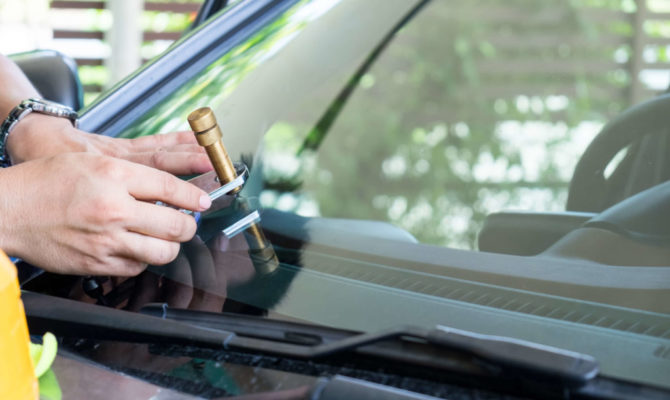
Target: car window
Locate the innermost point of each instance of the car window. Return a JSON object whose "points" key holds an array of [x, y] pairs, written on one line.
{"points": [[477, 161]]}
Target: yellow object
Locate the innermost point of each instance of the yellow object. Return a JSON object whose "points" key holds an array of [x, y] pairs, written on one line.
{"points": [[17, 377]]}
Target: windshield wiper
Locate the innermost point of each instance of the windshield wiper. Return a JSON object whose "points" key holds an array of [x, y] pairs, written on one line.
{"points": [[308, 342], [429, 348]]}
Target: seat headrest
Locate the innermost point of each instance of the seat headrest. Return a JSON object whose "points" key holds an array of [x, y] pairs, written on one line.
{"points": [[53, 74]]}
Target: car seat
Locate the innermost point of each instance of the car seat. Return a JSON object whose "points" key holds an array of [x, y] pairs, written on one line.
{"points": [[641, 137], [629, 155], [53, 74]]}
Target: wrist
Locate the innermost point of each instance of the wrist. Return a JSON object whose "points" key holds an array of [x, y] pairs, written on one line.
{"points": [[27, 143], [35, 134]]}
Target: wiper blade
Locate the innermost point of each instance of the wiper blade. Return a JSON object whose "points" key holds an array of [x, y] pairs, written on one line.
{"points": [[523, 357], [519, 354]]}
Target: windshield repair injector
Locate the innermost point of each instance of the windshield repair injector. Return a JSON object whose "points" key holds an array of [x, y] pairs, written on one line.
{"points": [[208, 134]]}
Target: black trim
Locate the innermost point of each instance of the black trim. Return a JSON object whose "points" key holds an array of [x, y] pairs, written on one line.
{"points": [[208, 8], [65, 317], [136, 95]]}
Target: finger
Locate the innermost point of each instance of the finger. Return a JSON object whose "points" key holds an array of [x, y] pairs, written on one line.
{"points": [[145, 183], [177, 294], [119, 267], [146, 291], [185, 148], [101, 257], [179, 163], [200, 257], [178, 282], [178, 270], [147, 249], [178, 148], [209, 288], [161, 222], [207, 301], [148, 143], [231, 261]]}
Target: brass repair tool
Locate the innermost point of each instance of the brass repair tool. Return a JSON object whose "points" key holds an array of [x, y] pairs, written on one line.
{"points": [[207, 132], [261, 252]]}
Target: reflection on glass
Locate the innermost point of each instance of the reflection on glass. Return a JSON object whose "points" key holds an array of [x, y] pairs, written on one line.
{"points": [[465, 132], [372, 148]]}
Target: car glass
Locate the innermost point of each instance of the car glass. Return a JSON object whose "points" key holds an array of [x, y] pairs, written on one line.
{"points": [[471, 164]]}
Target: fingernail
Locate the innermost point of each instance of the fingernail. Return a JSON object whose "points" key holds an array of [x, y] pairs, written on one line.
{"points": [[205, 202]]}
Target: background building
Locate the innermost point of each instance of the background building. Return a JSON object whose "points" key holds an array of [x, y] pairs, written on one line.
{"points": [[108, 39]]}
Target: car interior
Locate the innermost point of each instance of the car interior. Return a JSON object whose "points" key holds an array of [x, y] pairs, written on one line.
{"points": [[627, 157]]}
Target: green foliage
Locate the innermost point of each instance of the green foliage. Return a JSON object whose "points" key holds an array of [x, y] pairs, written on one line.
{"points": [[215, 83], [467, 112], [157, 21], [93, 75]]}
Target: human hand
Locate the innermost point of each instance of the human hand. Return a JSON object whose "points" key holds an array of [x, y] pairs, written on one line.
{"points": [[198, 278], [39, 136], [88, 214]]}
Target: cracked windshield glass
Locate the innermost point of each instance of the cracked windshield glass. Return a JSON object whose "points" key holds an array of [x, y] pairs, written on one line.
{"points": [[495, 166]]}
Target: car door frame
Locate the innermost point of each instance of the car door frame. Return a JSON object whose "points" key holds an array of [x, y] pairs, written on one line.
{"points": [[138, 93]]}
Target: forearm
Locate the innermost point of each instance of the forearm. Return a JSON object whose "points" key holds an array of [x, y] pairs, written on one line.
{"points": [[15, 86], [9, 210]]}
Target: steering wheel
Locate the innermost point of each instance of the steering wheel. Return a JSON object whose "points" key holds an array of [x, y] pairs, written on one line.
{"points": [[589, 186]]}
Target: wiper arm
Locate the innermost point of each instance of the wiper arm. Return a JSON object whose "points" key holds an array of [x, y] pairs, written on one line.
{"points": [[523, 357], [70, 318], [300, 341]]}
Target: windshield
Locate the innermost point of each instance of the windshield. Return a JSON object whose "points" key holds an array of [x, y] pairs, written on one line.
{"points": [[471, 164]]}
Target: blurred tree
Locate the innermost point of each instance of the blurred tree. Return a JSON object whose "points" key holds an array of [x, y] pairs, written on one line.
{"points": [[473, 108]]}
